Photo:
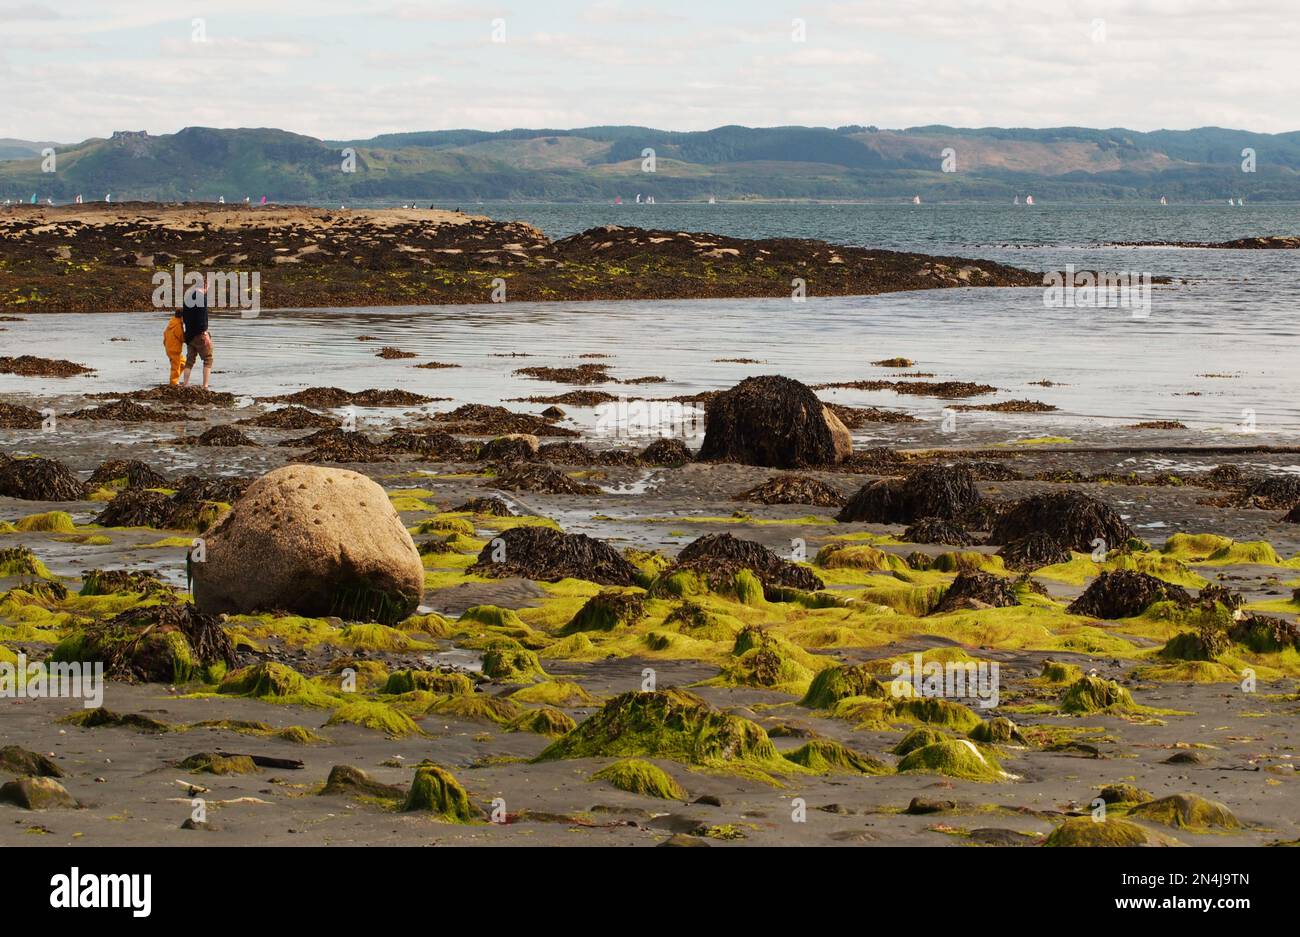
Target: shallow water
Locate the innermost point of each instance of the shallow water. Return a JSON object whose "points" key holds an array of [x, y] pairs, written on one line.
{"points": [[1229, 313]]}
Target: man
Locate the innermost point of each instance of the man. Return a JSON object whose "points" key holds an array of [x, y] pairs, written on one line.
{"points": [[197, 339]]}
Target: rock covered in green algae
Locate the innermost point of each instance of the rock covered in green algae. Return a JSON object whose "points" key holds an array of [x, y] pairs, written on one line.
{"points": [[977, 590], [350, 781], [720, 558], [447, 684], [672, 724], [314, 541], [36, 793], [547, 555], [166, 643], [435, 790], [510, 662], [1123, 794], [101, 717], [1090, 694], [919, 737], [544, 720], [998, 730], [1085, 831], [836, 683], [272, 681], [16, 760], [641, 777], [1187, 812], [957, 758], [827, 756]]}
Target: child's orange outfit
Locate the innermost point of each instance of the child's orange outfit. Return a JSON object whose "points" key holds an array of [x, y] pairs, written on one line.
{"points": [[174, 343]]}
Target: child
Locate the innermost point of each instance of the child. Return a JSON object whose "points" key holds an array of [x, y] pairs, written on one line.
{"points": [[174, 343]]}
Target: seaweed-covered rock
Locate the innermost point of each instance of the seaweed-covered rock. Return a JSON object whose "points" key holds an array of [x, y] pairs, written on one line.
{"points": [[510, 662], [137, 508], [666, 451], [109, 581], [667, 724], [1033, 551], [315, 541], [168, 643], [836, 683], [641, 777], [125, 473], [1123, 793], [773, 421], [435, 790], [494, 507], [16, 760], [827, 756], [997, 731], [1123, 593], [1277, 492], [530, 476], [793, 489], [39, 480], [608, 610], [513, 447], [718, 557], [1071, 518], [37, 793], [947, 492], [977, 590], [1265, 633], [1091, 694], [938, 530], [219, 763], [1085, 831], [353, 782], [431, 681], [957, 758], [548, 555], [1187, 811], [919, 737]]}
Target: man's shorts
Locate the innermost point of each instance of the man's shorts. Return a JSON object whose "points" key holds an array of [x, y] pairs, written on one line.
{"points": [[200, 347]]}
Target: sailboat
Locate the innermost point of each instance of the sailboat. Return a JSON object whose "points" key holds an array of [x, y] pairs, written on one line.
{"points": [[1163, 200], [618, 200], [712, 200], [916, 200], [1241, 202], [638, 198], [1016, 200], [1029, 200]]}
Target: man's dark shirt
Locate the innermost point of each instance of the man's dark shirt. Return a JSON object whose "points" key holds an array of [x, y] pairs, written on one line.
{"points": [[195, 317]]}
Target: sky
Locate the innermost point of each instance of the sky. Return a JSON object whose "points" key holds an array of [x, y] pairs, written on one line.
{"points": [[73, 69]]}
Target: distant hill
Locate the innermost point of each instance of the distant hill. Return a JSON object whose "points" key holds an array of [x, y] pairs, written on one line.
{"points": [[1064, 163]]}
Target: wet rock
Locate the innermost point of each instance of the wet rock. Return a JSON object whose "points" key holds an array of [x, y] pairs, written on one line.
{"points": [[940, 491], [773, 421], [314, 541], [349, 781], [1070, 518], [920, 806], [17, 760], [547, 555], [38, 793], [1125, 593]]}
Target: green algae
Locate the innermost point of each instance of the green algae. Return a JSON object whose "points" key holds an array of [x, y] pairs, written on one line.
{"points": [[955, 758], [919, 737], [477, 706], [1056, 673], [273, 682], [377, 716], [545, 720], [216, 763], [838, 683], [827, 756], [641, 777], [1091, 694], [997, 731], [512, 663], [1085, 831], [435, 790], [57, 522], [1187, 812], [20, 561], [445, 684], [838, 555], [554, 693]]}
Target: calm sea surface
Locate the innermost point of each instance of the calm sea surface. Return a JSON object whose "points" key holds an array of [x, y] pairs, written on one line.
{"points": [[1223, 339]]}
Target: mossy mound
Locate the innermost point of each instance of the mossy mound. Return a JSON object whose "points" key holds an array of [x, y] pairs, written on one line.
{"points": [[720, 557], [859, 556], [765, 659], [606, 611], [641, 777], [37, 794], [837, 683], [21, 561], [1126, 593], [377, 716], [435, 790], [956, 758], [512, 663], [219, 763], [793, 489], [1034, 551], [946, 492], [938, 530], [1187, 812], [101, 717], [16, 760], [170, 643], [919, 737], [554, 693], [1265, 634], [543, 721], [668, 724], [1058, 672], [446, 684], [373, 637], [495, 709], [974, 591], [353, 782], [1085, 831], [112, 581], [1123, 794], [547, 555], [57, 522], [827, 756], [997, 731], [1092, 694], [1070, 518], [272, 681]]}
